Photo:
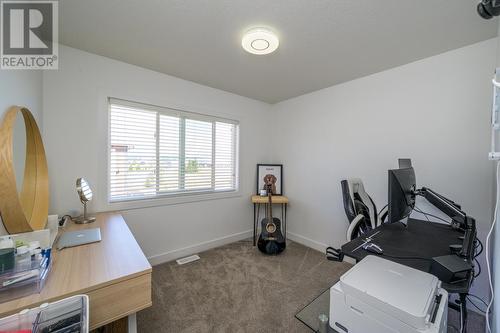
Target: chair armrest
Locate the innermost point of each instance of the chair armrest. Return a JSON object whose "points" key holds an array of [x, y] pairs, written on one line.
{"points": [[382, 215], [352, 226]]}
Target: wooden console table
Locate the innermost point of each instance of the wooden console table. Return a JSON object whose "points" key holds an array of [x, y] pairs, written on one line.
{"points": [[114, 273], [258, 200]]}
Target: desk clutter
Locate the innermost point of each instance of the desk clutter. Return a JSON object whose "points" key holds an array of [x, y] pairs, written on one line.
{"points": [[114, 268], [24, 268], [70, 315], [25, 259]]}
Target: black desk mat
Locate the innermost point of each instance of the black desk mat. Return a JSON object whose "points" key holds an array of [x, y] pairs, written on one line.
{"points": [[417, 239]]}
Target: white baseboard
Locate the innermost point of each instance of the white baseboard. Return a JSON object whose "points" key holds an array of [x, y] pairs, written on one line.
{"points": [[197, 248], [307, 241]]}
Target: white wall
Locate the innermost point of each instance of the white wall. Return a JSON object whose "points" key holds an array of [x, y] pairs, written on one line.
{"points": [[75, 131], [22, 88], [435, 111]]}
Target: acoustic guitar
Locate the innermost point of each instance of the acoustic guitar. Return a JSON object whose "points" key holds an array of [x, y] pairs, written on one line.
{"points": [[271, 240]]}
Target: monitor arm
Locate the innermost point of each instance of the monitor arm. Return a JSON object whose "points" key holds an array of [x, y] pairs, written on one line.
{"points": [[460, 220], [450, 208]]}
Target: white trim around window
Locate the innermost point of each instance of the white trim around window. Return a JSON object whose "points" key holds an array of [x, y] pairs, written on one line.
{"points": [[164, 153]]}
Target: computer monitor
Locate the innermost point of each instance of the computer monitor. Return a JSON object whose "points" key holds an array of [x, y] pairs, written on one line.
{"points": [[402, 186]]}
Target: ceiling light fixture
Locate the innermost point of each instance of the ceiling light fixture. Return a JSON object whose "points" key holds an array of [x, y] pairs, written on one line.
{"points": [[260, 41]]}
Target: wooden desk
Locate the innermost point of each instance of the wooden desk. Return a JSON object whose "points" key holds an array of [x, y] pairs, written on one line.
{"points": [[114, 273], [258, 200]]}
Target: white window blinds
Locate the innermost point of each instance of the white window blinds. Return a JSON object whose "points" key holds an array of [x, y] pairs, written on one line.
{"points": [[158, 152]]}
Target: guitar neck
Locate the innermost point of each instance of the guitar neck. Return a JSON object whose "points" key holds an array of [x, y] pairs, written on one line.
{"points": [[269, 206]]}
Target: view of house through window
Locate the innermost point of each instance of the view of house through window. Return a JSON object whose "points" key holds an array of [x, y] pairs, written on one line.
{"points": [[159, 152]]}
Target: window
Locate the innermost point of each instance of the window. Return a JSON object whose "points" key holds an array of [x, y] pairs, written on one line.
{"points": [[156, 152]]}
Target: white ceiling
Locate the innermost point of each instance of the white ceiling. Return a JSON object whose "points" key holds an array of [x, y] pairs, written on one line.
{"points": [[323, 42]]}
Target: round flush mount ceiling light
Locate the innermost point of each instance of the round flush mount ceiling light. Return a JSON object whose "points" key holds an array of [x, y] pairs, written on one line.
{"points": [[260, 41]]}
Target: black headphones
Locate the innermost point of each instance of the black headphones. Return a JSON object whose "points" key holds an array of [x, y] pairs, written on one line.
{"points": [[488, 9]]}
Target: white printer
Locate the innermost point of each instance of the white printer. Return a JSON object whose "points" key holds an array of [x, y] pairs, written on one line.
{"points": [[381, 296]]}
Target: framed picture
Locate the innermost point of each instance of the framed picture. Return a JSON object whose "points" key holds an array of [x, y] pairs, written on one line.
{"points": [[270, 175]]}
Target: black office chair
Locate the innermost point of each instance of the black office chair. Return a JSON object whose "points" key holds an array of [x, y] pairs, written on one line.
{"points": [[361, 213], [360, 209]]}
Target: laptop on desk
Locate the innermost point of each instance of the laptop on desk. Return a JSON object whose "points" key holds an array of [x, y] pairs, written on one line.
{"points": [[80, 237]]}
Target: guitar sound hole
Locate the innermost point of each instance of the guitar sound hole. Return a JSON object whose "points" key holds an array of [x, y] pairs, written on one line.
{"points": [[270, 228]]}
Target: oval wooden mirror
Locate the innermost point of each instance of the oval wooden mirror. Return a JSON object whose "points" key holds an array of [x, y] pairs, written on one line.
{"points": [[24, 181]]}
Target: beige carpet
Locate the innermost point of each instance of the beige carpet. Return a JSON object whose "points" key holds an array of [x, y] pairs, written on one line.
{"points": [[237, 289]]}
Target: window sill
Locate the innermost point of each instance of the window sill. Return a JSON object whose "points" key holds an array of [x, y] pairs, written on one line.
{"points": [[171, 200]]}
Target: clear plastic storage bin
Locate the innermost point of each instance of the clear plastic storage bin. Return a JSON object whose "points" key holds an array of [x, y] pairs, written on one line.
{"points": [[24, 280], [69, 315]]}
